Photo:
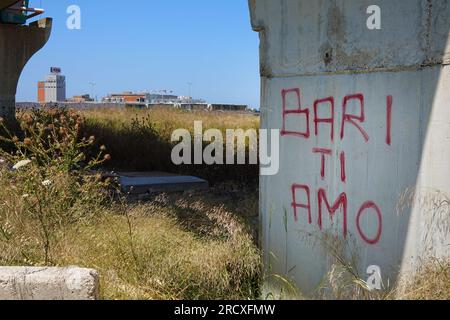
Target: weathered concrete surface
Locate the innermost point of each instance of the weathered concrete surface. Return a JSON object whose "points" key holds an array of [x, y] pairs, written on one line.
{"points": [[310, 37], [17, 45], [22, 283], [368, 172]]}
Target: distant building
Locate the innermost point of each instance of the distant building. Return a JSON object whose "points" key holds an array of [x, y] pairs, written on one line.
{"points": [[126, 97], [192, 106], [81, 99], [227, 107], [41, 91], [212, 107], [162, 98], [53, 89], [166, 98]]}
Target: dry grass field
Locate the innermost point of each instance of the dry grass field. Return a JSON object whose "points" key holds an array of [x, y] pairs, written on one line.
{"points": [[140, 140], [54, 211]]}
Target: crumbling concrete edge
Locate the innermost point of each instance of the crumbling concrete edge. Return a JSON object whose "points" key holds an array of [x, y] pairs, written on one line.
{"points": [[48, 283]]}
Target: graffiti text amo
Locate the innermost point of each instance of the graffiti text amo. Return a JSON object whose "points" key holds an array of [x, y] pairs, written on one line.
{"points": [[313, 124]]}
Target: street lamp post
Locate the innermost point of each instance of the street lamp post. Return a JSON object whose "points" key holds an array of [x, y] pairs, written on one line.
{"points": [[93, 84]]}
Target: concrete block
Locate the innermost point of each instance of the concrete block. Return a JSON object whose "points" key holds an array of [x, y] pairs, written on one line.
{"points": [[34, 283], [152, 183]]}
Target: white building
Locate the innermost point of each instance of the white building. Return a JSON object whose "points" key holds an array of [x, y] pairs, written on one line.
{"points": [[55, 86]]}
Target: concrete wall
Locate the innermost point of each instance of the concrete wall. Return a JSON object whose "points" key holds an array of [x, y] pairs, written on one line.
{"points": [[365, 135], [17, 283], [17, 45]]}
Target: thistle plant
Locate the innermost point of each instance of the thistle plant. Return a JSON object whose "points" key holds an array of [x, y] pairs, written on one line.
{"points": [[47, 178]]}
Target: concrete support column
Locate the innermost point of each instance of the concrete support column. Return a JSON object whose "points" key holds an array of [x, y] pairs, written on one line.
{"points": [[17, 45], [365, 135]]}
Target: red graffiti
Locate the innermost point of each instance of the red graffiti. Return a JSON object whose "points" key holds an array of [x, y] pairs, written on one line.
{"points": [[328, 152], [389, 101], [301, 193], [366, 206], [343, 168], [296, 205], [329, 120], [296, 112], [341, 202], [323, 152], [353, 118]]}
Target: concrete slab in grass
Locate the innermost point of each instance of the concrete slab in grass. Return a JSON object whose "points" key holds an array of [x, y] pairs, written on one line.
{"points": [[157, 182]]}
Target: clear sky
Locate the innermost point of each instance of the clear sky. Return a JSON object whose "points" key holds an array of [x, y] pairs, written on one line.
{"points": [[143, 45]]}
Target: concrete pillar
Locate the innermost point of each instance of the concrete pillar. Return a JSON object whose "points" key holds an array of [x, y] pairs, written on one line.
{"points": [[365, 135], [17, 45]]}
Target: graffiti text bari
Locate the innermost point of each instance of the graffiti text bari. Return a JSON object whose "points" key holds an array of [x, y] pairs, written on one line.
{"points": [[208, 147]]}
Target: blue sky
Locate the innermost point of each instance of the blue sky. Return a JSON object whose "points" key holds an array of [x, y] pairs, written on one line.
{"points": [[144, 45]]}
